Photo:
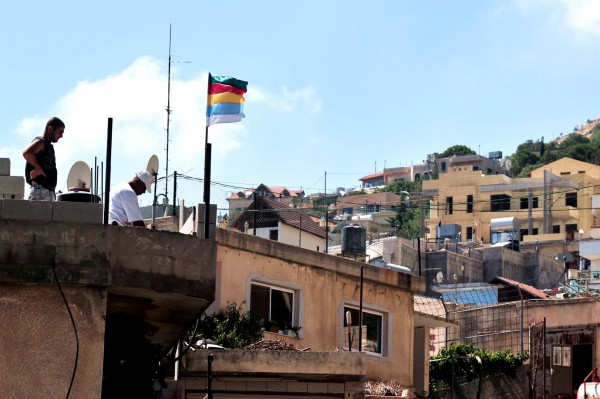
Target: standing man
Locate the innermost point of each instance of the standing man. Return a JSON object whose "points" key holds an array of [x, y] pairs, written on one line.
{"points": [[40, 170], [123, 208]]}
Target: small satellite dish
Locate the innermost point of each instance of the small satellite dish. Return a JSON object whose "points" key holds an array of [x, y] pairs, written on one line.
{"points": [[439, 277], [80, 177], [152, 167]]}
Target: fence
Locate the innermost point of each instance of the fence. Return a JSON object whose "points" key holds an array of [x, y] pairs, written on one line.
{"points": [[478, 318]]}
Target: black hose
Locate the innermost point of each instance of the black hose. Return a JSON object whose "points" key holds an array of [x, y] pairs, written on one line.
{"points": [[74, 327]]}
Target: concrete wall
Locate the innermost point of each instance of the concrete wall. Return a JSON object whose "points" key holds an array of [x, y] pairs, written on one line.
{"points": [[45, 211], [323, 284], [38, 343], [276, 374]]}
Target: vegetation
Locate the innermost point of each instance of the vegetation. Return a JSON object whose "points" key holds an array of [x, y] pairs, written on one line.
{"points": [[457, 150], [465, 363], [532, 155], [232, 328], [407, 220]]}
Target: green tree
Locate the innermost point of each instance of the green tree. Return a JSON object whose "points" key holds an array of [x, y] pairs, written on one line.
{"points": [[232, 328], [407, 220], [595, 134], [574, 139], [522, 158], [456, 150], [585, 152]]}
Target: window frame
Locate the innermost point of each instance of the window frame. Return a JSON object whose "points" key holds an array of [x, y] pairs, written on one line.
{"points": [[571, 199], [500, 202], [383, 335], [294, 308]]}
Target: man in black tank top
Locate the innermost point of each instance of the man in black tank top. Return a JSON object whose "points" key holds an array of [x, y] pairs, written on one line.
{"points": [[40, 170]]}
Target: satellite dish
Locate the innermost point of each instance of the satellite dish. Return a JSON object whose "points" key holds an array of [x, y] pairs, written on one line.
{"points": [[80, 177], [439, 277], [152, 167]]}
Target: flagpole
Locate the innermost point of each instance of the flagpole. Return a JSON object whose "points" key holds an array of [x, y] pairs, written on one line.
{"points": [[207, 151]]}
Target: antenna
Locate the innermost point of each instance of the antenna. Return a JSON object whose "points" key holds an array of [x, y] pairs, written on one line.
{"points": [[152, 166], [80, 177], [168, 118]]}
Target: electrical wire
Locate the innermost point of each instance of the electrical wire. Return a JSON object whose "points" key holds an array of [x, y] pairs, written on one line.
{"points": [[53, 266]]}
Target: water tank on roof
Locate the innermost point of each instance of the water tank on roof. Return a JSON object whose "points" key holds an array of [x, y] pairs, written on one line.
{"points": [[354, 240]]}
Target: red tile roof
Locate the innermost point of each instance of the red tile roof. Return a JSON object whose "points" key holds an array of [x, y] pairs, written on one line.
{"points": [[371, 176], [290, 216]]}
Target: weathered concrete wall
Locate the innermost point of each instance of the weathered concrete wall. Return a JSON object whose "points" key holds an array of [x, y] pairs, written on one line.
{"points": [[38, 344], [277, 374], [163, 278], [45, 211], [159, 279]]}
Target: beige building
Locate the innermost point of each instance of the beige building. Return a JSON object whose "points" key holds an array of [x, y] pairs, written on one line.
{"points": [[390, 175], [555, 203], [314, 292]]}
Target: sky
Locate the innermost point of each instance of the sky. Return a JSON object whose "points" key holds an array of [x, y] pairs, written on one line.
{"points": [[337, 89]]}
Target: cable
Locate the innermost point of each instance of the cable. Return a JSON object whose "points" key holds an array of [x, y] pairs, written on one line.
{"points": [[72, 322]]}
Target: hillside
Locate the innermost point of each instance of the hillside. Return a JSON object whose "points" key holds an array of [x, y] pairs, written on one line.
{"points": [[584, 130]]}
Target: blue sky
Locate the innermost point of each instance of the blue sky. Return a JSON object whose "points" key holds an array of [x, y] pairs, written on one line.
{"points": [[343, 87]]}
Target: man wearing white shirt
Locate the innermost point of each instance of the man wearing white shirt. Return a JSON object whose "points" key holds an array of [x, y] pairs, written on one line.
{"points": [[124, 209]]}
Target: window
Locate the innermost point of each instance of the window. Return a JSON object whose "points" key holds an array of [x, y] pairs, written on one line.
{"points": [[571, 199], [525, 202], [443, 167], [448, 205], [272, 304], [500, 202], [469, 234], [372, 208], [274, 235], [556, 229], [469, 204], [372, 330], [571, 227]]}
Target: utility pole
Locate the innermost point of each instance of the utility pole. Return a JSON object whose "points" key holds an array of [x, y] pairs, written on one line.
{"points": [[168, 118]]}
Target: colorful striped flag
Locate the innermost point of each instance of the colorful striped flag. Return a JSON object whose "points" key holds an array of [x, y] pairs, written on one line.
{"points": [[225, 101]]}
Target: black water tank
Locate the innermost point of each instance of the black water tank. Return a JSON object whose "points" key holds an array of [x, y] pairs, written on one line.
{"points": [[77, 196], [354, 240]]}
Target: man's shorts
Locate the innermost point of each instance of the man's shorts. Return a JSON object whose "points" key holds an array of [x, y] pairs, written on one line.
{"points": [[41, 193]]}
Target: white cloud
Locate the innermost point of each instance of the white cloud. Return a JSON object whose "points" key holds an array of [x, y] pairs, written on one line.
{"points": [[136, 99], [581, 16]]}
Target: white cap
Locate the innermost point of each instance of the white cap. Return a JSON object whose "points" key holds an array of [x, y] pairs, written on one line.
{"points": [[146, 178]]}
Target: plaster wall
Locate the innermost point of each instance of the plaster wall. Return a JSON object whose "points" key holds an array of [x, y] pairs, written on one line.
{"points": [[292, 236], [38, 345]]}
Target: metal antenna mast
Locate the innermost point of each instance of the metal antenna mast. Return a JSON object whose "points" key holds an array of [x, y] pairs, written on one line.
{"points": [[168, 119]]}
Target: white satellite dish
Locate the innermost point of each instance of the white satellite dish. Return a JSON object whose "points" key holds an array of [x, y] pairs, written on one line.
{"points": [[439, 277], [80, 177], [152, 167]]}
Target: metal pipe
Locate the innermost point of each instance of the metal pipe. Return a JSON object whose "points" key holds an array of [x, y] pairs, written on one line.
{"points": [[108, 162]]}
